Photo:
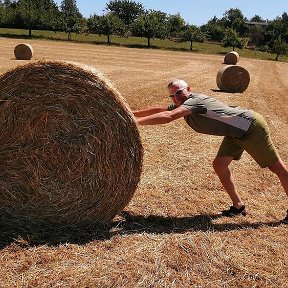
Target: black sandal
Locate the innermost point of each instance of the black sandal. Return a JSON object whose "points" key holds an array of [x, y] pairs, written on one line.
{"points": [[285, 220], [233, 211]]}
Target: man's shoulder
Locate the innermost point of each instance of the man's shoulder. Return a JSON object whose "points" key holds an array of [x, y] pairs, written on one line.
{"points": [[196, 103], [199, 96], [195, 98]]}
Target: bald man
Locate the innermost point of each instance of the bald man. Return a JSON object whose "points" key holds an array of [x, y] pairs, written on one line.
{"points": [[242, 130]]}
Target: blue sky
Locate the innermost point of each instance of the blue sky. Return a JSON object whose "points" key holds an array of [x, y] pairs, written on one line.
{"points": [[200, 11]]}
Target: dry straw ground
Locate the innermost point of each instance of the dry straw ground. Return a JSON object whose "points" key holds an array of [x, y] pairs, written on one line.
{"points": [[168, 235]]}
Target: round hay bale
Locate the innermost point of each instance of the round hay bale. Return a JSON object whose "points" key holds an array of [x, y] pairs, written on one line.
{"points": [[69, 146], [233, 79], [23, 52], [231, 58]]}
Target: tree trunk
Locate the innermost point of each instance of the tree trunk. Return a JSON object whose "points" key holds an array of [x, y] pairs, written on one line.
{"points": [[277, 57], [108, 39], [149, 44], [191, 45], [30, 32], [233, 48], [69, 36]]}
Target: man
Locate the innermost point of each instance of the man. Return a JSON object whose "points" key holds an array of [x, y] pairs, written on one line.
{"points": [[242, 130]]}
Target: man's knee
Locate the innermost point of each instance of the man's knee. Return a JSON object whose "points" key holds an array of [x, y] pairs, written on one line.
{"points": [[221, 164], [278, 168]]}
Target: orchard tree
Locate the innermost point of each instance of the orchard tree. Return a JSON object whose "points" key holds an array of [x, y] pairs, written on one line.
{"points": [[192, 34], [50, 15], [234, 19], [256, 36], [9, 13], [231, 39], [214, 29], [257, 31], [257, 18], [279, 47], [71, 18], [152, 24], [28, 15], [231, 15], [108, 25], [36, 14], [240, 27], [175, 25], [276, 36], [128, 11], [9, 3], [1, 13]]}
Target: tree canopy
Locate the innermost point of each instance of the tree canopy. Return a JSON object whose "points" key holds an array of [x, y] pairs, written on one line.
{"points": [[108, 25], [231, 39], [71, 18], [192, 34], [150, 25], [127, 10]]}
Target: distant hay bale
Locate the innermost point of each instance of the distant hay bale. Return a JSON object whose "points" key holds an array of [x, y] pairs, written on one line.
{"points": [[69, 146], [23, 52], [233, 79], [231, 58]]}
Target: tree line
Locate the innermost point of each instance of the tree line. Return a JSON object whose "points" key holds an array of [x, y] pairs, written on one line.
{"points": [[129, 18]]}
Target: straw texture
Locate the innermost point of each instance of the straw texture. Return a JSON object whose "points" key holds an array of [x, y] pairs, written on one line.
{"points": [[231, 58], [69, 146], [233, 79], [23, 52]]}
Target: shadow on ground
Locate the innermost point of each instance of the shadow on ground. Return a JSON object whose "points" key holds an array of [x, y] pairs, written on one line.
{"points": [[30, 234], [165, 225], [14, 36], [24, 233]]}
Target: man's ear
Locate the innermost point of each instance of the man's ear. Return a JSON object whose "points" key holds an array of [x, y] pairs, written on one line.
{"points": [[188, 88]]}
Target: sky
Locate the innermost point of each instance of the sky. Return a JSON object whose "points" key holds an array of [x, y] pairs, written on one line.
{"points": [[197, 12]]}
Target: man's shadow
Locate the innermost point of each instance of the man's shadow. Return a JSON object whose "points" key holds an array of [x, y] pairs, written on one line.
{"points": [[26, 234], [165, 224]]}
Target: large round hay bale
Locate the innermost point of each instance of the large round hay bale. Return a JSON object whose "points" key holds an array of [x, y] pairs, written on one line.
{"points": [[23, 52], [231, 58], [69, 146], [233, 79]]}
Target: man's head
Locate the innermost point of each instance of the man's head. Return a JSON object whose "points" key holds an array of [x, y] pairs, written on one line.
{"points": [[179, 91]]}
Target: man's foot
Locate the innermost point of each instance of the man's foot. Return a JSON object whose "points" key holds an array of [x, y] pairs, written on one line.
{"points": [[233, 211], [285, 220]]}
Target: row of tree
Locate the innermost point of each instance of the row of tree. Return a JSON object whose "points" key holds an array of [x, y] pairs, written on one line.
{"points": [[233, 28], [41, 15], [126, 17]]}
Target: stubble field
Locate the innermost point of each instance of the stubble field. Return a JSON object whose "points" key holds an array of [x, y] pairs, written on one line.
{"points": [[168, 236]]}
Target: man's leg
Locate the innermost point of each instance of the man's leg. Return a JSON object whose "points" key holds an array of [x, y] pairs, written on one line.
{"points": [[220, 165], [281, 171]]}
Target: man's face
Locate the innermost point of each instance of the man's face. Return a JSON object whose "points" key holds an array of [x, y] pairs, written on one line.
{"points": [[179, 95]]}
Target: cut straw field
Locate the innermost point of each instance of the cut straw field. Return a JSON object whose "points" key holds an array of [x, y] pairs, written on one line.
{"points": [[168, 235]]}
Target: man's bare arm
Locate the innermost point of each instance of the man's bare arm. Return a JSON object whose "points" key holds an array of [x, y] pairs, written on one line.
{"points": [[164, 117], [149, 111]]}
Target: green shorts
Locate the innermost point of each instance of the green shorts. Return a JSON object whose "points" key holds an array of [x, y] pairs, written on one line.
{"points": [[257, 142]]}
